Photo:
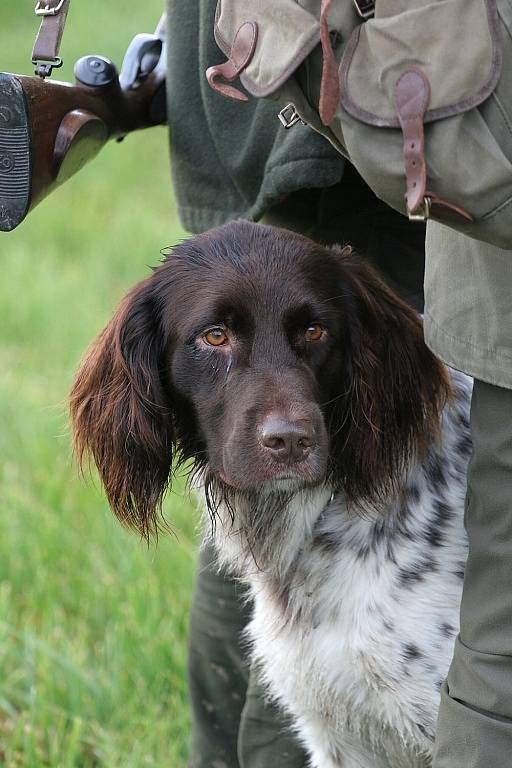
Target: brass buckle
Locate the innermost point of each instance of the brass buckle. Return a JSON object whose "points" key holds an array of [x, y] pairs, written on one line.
{"points": [[365, 8], [422, 212], [289, 116], [43, 9]]}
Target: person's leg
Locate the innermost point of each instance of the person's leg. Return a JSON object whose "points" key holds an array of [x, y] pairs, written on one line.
{"points": [[265, 737], [233, 726], [475, 719], [217, 673]]}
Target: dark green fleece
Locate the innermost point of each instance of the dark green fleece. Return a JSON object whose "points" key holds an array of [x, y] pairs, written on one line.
{"points": [[229, 159]]}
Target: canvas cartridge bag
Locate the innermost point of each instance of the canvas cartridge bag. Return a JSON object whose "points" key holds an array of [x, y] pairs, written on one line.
{"points": [[416, 93]]}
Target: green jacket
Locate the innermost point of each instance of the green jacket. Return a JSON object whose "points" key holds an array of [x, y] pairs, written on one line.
{"points": [[230, 160], [468, 306]]}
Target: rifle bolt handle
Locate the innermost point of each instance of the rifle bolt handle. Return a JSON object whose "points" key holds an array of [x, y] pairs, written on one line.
{"points": [[95, 71]]}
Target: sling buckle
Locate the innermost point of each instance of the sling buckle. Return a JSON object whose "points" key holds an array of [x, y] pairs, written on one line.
{"points": [[44, 9]]}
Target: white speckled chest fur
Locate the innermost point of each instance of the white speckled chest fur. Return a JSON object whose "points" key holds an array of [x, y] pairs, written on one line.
{"points": [[354, 623]]}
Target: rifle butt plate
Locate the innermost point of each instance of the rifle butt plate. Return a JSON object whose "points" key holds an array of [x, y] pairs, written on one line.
{"points": [[15, 153]]}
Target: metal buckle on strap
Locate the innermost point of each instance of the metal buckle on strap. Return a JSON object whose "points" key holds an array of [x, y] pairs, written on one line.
{"points": [[422, 212], [45, 68], [365, 8], [289, 116], [43, 9]]}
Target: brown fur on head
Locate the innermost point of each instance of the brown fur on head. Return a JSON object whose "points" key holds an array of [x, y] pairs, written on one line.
{"points": [[358, 403]]}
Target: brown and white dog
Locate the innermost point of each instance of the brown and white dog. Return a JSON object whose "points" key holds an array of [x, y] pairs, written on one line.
{"points": [[299, 388]]}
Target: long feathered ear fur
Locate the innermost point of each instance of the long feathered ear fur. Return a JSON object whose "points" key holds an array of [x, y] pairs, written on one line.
{"points": [[120, 414], [394, 389]]}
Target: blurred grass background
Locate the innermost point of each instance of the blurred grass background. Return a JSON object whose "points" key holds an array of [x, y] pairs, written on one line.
{"points": [[92, 622]]}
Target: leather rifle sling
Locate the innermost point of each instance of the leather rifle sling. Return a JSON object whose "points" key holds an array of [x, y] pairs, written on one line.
{"points": [[45, 54]]}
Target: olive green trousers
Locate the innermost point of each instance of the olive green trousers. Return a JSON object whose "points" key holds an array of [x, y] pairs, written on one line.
{"points": [[233, 726], [474, 728]]}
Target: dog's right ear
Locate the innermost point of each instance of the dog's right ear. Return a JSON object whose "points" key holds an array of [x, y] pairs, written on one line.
{"points": [[120, 412], [394, 388]]}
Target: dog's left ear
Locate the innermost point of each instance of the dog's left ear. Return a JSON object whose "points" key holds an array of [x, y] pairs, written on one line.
{"points": [[120, 413], [395, 388]]}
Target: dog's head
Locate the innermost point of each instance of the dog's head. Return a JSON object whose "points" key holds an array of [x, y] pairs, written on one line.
{"points": [[268, 361]]}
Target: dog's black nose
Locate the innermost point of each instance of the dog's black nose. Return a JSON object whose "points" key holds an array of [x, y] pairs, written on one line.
{"points": [[286, 440]]}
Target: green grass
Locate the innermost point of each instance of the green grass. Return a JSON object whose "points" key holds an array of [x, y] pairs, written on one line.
{"points": [[92, 622]]}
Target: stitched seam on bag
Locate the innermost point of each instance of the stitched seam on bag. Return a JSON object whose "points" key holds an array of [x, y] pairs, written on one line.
{"points": [[505, 17], [483, 350], [503, 111], [219, 38], [499, 208]]}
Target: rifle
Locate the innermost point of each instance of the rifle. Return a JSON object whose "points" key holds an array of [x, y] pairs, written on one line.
{"points": [[50, 130]]}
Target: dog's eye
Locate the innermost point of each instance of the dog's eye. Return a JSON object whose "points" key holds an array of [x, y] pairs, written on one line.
{"points": [[215, 337], [315, 332]]}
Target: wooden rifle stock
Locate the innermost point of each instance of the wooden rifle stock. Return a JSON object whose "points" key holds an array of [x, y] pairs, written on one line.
{"points": [[50, 130]]}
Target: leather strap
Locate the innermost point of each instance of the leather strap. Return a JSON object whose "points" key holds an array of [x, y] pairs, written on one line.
{"points": [[330, 85], [239, 57], [446, 211], [412, 95], [45, 54]]}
